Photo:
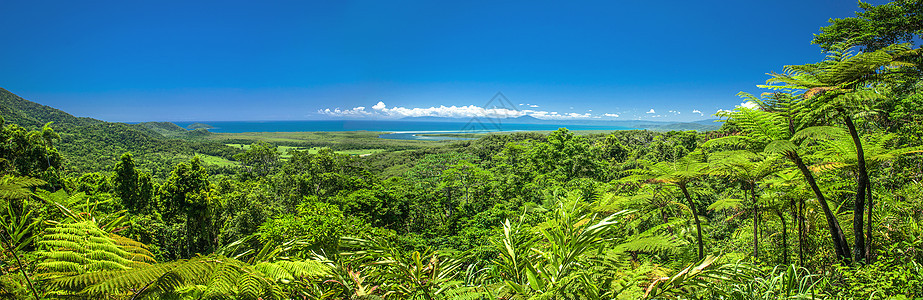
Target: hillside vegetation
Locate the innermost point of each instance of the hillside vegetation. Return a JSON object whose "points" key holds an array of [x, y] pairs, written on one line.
{"points": [[812, 191]]}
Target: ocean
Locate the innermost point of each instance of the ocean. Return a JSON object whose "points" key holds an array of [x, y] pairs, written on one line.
{"points": [[405, 130]]}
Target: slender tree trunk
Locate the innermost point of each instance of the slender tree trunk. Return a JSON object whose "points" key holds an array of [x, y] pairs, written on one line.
{"points": [[665, 220], [698, 224], [48, 161], [868, 226], [663, 213], [801, 232], [756, 222], [784, 236], [794, 206], [862, 186], [22, 268], [836, 233]]}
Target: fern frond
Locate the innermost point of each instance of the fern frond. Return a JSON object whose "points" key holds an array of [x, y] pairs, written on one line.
{"points": [[304, 269], [726, 203], [816, 133], [15, 187], [782, 147], [651, 244], [69, 249], [827, 166], [211, 277], [736, 142]]}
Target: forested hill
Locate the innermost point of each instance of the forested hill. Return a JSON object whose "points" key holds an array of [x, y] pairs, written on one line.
{"points": [[16, 110], [166, 129], [93, 145]]}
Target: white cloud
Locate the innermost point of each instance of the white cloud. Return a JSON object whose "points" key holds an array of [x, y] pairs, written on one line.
{"points": [[355, 112], [612, 115], [380, 110], [696, 111], [651, 111], [674, 112], [748, 104]]}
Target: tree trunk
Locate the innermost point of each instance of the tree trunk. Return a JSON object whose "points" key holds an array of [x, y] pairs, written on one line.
{"points": [[862, 187], [663, 213], [22, 268], [756, 222], [836, 233], [796, 219], [665, 219], [698, 225], [801, 232], [868, 226], [784, 236]]}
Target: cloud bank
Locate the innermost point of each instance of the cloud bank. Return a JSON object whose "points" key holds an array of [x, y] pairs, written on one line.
{"points": [[381, 110]]}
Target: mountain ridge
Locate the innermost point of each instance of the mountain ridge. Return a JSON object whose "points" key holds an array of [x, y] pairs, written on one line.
{"points": [[83, 139]]}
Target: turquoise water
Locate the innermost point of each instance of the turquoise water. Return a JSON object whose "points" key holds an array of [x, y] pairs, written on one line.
{"points": [[404, 130]]}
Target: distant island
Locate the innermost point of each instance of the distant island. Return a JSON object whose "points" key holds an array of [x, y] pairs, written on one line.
{"points": [[195, 126]]}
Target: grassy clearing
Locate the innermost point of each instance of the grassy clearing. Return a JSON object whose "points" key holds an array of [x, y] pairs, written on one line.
{"points": [[352, 152], [284, 150], [217, 160]]}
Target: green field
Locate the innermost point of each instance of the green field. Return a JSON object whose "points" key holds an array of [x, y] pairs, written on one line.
{"points": [[217, 160], [284, 150]]}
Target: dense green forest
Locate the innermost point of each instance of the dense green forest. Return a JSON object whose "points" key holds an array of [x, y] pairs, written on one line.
{"points": [[812, 192]]}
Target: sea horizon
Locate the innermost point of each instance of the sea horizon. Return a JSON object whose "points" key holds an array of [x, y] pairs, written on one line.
{"points": [[392, 126]]}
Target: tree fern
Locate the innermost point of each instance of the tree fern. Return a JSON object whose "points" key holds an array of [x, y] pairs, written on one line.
{"points": [[77, 248], [79, 207], [209, 277], [15, 187], [680, 173], [650, 244], [839, 87], [726, 203], [774, 127]]}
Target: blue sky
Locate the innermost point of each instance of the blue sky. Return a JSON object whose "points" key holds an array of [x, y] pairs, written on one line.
{"points": [[294, 60]]}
